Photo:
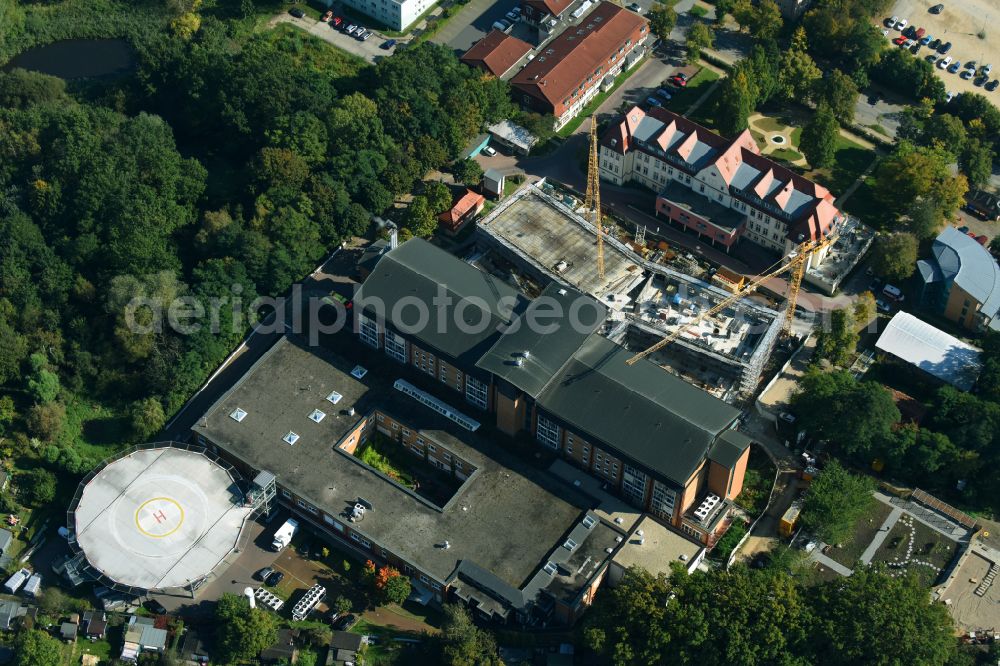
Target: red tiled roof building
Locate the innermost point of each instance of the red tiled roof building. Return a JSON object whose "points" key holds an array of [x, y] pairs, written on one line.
{"points": [[722, 189]]}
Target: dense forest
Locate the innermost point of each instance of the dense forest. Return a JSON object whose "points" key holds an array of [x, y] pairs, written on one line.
{"points": [[225, 166]]}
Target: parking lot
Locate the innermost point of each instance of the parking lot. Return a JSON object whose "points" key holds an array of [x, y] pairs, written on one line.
{"points": [[370, 50], [960, 23]]}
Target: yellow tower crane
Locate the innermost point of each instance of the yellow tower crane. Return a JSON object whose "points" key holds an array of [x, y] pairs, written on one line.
{"points": [[796, 263], [593, 199]]}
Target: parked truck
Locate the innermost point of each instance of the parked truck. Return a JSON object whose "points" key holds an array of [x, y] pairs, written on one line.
{"points": [[284, 535]]}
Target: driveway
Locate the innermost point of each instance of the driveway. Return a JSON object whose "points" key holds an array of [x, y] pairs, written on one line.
{"points": [[369, 50]]}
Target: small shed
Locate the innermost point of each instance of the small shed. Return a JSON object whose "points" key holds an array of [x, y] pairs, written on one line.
{"points": [[344, 647], [33, 586], [67, 631], [94, 625], [493, 182], [513, 136], [6, 539]]}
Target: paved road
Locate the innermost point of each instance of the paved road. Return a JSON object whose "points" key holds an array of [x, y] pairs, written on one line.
{"points": [[878, 106], [369, 50]]}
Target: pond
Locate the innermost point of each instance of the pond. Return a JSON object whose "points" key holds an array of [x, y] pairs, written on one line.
{"points": [[78, 58]]}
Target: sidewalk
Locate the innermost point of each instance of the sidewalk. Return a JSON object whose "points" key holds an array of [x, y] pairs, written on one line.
{"points": [[879, 538], [818, 556]]}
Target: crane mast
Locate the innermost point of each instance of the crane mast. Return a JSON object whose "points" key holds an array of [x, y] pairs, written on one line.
{"points": [[593, 198]]}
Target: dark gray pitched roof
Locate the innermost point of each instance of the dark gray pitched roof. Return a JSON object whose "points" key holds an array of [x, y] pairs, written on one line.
{"points": [[550, 339], [728, 448], [419, 272], [642, 411]]}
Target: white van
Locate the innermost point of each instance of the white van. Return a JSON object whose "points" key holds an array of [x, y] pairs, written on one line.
{"points": [[892, 293]]}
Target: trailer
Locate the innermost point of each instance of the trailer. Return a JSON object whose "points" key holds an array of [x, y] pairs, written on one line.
{"points": [[283, 535]]}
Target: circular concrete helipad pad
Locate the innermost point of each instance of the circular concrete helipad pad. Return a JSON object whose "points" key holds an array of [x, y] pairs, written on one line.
{"points": [[159, 519]]}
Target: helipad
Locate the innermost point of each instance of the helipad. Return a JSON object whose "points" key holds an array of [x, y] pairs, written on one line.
{"points": [[159, 519]]}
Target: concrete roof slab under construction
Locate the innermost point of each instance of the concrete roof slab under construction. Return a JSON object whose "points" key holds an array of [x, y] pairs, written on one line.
{"points": [[559, 243], [159, 519]]}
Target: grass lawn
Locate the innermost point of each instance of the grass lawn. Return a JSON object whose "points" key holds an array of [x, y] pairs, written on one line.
{"points": [[407, 469], [683, 98], [863, 205], [315, 54], [928, 546], [386, 650], [866, 528], [769, 124], [850, 161], [705, 114], [785, 154], [588, 110]]}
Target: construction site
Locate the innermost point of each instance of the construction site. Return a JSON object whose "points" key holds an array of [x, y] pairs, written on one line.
{"points": [[540, 235]]}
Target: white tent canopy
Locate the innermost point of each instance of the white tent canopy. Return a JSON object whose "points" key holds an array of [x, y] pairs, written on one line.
{"points": [[932, 350]]}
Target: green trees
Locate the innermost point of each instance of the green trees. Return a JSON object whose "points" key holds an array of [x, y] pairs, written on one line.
{"points": [[819, 137], [462, 643], [798, 73], [43, 382], [744, 616], [976, 161], [914, 172], [840, 92], [662, 19], [837, 340], [854, 416], [737, 101], [762, 20], [468, 172], [397, 589], [36, 487], [34, 647], [700, 36], [242, 632], [872, 609], [898, 70], [896, 255], [835, 501], [146, 418]]}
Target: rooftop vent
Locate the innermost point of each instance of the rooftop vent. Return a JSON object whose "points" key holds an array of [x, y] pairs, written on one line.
{"points": [[317, 416], [549, 568], [519, 362], [290, 438], [562, 292], [589, 521], [570, 544], [334, 397], [359, 372], [238, 415]]}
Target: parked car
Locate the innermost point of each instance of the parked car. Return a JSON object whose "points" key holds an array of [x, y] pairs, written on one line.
{"points": [[950, 96], [992, 85], [512, 16], [262, 574], [986, 70], [653, 101], [275, 578], [919, 34], [388, 44], [891, 23], [663, 93], [500, 25], [336, 21], [296, 12], [909, 31], [955, 66], [885, 32], [981, 81], [908, 43], [899, 41], [936, 9], [678, 81], [901, 25], [362, 34], [931, 58], [935, 44], [944, 48], [944, 62], [490, 151], [327, 16], [681, 75], [967, 74], [634, 7], [926, 40], [349, 30]]}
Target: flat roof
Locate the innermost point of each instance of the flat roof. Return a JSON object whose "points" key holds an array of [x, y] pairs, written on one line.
{"points": [[548, 234], [505, 519], [159, 518], [647, 414], [660, 547], [932, 350]]}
